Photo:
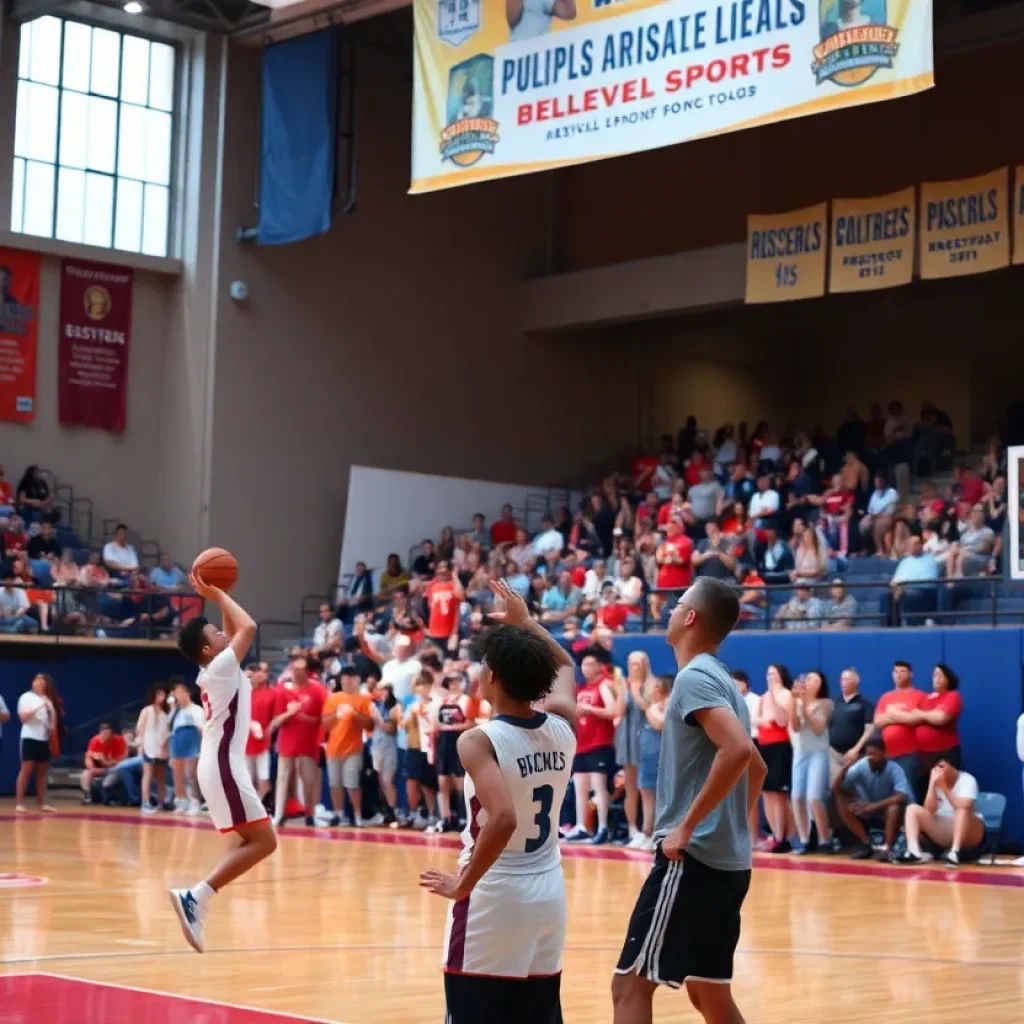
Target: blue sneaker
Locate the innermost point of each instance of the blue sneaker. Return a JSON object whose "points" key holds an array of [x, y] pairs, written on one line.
{"points": [[578, 835], [600, 838], [190, 915]]}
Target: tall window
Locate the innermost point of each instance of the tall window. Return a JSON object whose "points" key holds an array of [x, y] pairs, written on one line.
{"points": [[92, 147]]}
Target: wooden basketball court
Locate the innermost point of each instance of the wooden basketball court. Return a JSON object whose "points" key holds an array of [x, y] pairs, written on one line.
{"points": [[334, 928]]}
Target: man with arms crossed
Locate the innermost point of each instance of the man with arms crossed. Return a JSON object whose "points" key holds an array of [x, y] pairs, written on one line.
{"points": [[686, 922]]}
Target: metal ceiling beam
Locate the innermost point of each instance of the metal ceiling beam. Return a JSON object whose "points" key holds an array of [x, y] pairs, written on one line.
{"points": [[29, 10]]}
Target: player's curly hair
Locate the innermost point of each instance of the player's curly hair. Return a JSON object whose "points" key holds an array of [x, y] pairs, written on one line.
{"points": [[522, 663]]}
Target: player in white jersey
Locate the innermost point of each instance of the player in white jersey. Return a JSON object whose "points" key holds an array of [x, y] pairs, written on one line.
{"points": [[234, 804], [506, 928]]}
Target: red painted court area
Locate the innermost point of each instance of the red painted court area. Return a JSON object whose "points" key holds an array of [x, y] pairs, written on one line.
{"points": [[50, 999]]}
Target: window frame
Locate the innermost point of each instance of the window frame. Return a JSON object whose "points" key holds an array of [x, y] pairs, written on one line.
{"points": [[178, 51]]}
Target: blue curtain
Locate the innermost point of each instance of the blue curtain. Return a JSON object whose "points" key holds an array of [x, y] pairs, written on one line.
{"points": [[299, 135]]}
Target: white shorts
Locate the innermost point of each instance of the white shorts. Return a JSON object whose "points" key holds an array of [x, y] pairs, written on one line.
{"points": [[229, 794], [259, 766], [510, 926]]}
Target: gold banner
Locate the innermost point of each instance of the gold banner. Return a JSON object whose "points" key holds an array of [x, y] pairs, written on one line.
{"points": [[786, 255], [965, 226], [872, 242], [1018, 214]]}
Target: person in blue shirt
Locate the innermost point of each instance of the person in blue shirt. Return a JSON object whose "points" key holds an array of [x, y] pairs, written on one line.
{"points": [[167, 576], [901, 602], [561, 601], [872, 793]]}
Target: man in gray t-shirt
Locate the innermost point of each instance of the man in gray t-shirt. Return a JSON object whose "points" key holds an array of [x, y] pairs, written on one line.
{"points": [[686, 922]]}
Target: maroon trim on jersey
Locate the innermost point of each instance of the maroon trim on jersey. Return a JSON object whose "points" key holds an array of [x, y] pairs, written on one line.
{"points": [[457, 940], [235, 804]]}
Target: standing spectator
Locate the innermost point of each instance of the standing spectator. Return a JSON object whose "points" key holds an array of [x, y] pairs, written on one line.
{"points": [[167, 575], [812, 712], [741, 486], [764, 505], [872, 793], [106, 749], [14, 609], [675, 559], [894, 716], [298, 713], [44, 546], [549, 539], [775, 712], [357, 596], [257, 747], [948, 818], [595, 746], [421, 778], [706, 497], [38, 722], [446, 544], [633, 701], [650, 756], [186, 726], [154, 732], [426, 560], [5, 716], [911, 603], [881, 508], [401, 670], [753, 702], [33, 499], [118, 555], [479, 536], [444, 595], [935, 721], [899, 445], [840, 608], [714, 556], [347, 714], [393, 577], [386, 714], [1019, 862], [503, 530], [850, 436], [451, 718], [329, 631], [851, 726]]}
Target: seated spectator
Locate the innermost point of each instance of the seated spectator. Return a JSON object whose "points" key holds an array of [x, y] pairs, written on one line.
{"points": [[931, 506], [329, 629], [714, 555], [584, 536], [972, 487], [167, 575], [810, 560], [94, 573], [478, 536], [393, 577], [503, 531], [118, 555], [972, 555], [775, 558], [106, 749], [753, 596], [840, 607], [629, 587], [44, 546], [647, 513], [802, 611], [357, 595], [549, 539], [836, 507], [560, 601], [903, 601], [764, 505], [995, 505], [610, 613], [14, 609], [15, 538], [446, 545], [522, 549], [872, 793], [741, 486], [551, 567], [33, 499], [665, 476], [677, 510], [706, 497], [881, 509], [425, 562], [948, 818], [517, 579], [726, 450], [897, 541], [40, 600]]}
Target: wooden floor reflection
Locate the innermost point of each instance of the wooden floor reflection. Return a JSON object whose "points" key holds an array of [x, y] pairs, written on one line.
{"points": [[339, 930]]}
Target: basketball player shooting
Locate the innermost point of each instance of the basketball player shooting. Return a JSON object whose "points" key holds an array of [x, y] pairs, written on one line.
{"points": [[506, 927], [234, 804], [686, 921]]}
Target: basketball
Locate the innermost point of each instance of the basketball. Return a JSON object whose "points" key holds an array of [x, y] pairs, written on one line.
{"points": [[216, 567]]}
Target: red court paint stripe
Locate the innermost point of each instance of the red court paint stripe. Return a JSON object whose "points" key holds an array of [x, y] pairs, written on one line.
{"points": [[979, 875]]}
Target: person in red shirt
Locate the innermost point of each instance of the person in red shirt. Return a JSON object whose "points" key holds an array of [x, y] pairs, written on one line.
{"points": [[105, 750], [503, 531], [676, 509], [298, 711], [935, 721], [15, 537], [257, 748], [692, 467], [647, 513], [595, 746], [675, 558], [444, 595], [6, 491], [895, 716], [610, 613], [643, 469], [972, 487]]}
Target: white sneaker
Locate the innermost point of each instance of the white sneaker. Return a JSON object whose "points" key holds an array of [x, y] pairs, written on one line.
{"points": [[191, 916], [180, 805], [577, 835], [377, 819], [148, 809], [194, 808], [639, 842]]}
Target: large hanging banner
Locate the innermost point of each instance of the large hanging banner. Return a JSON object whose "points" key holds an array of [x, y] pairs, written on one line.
{"points": [[872, 242], [1018, 214], [504, 87], [95, 335], [965, 225], [786, 255], [19, 326]]}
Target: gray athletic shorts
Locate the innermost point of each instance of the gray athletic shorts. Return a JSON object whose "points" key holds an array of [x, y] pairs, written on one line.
{"points": [[344, 772]]}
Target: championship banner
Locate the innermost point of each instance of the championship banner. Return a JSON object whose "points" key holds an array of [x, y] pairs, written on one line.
{"points": [[786, 255], [1018, 214], [505, 87], [95, 335], [19, 326], [965, 225], [872, 242]]}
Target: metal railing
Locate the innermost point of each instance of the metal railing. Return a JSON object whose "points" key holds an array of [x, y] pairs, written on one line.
{"points": [[946, 594], [274, 637]]}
